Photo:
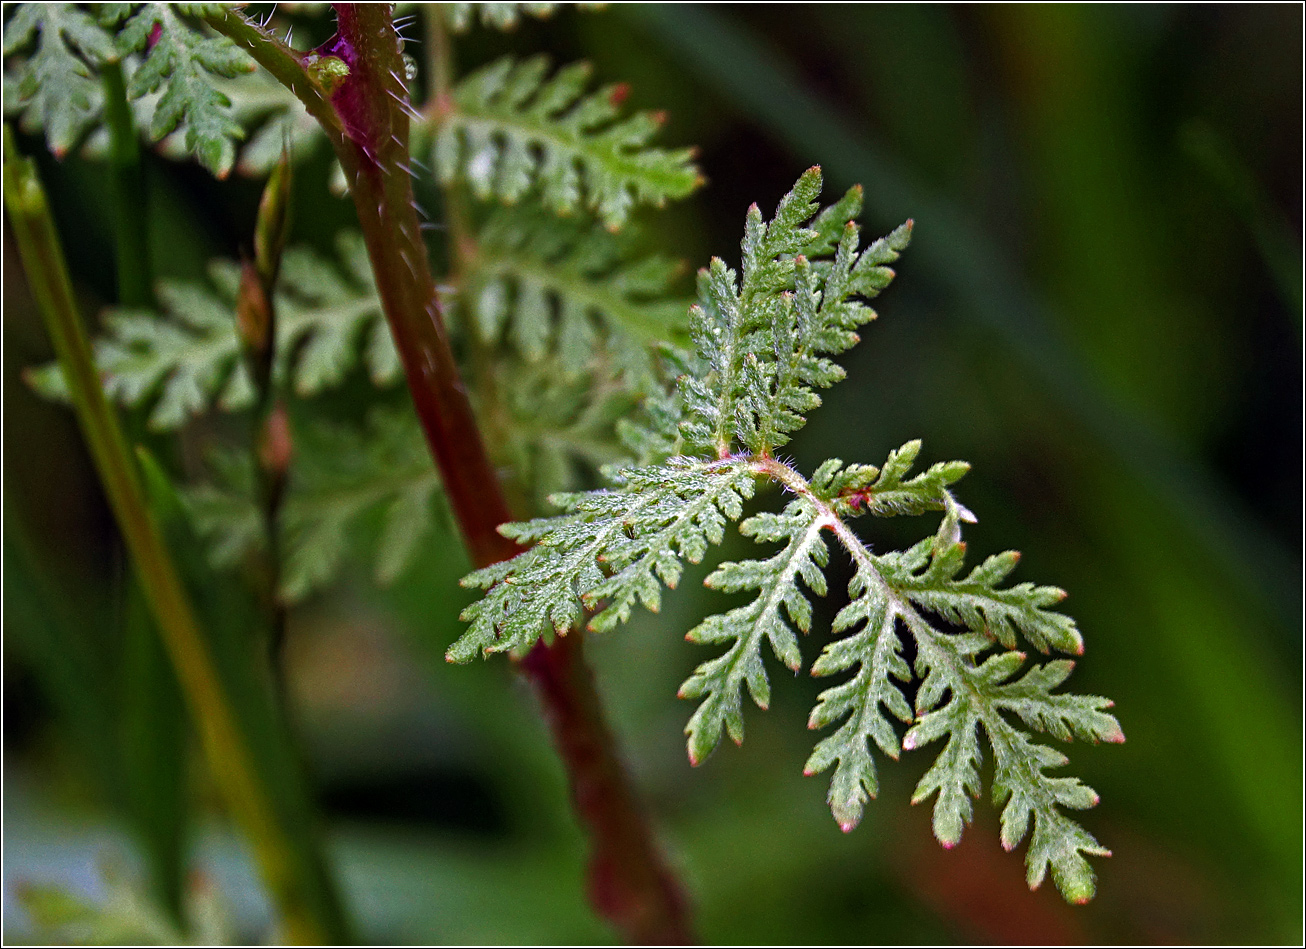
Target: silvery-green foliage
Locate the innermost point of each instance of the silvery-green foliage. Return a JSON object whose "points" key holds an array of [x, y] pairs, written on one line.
{"points": [[512, 128], [55, 88], [763, 337], [557, 430], [187, 359], [58, 87], [343, 476], [566, 289]]}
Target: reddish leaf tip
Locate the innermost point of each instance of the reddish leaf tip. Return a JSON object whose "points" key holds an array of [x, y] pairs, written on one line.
{"points": [[847, 826], [948, 844], [619, 93]]}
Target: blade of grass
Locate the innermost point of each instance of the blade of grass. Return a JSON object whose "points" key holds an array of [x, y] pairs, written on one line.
{"points": [[153, 732], [224, 745], [1281, 252], [50, 633]]}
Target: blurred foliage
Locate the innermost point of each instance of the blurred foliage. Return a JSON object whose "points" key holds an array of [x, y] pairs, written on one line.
{"points": [[1102, 312]]}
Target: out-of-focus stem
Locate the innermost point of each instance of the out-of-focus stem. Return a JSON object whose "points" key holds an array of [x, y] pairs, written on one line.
{"points": [[231, 761], [630, 884], [271, 445], [130, 211]]}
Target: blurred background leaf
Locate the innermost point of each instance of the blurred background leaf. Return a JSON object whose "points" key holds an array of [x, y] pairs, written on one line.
{"points": [[1101, 310]]}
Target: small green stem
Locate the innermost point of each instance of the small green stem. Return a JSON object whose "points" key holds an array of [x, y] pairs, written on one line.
{"points": [[231, 760], [153, 708], [630, 884], [284, 64], [270, 443], [130, 212]]}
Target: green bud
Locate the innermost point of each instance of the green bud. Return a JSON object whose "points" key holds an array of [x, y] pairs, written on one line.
{"points": [[273, 224], [329, 72]]}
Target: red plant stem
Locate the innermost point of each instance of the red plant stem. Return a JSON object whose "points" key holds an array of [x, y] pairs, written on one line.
{"points": [[629, 883]]}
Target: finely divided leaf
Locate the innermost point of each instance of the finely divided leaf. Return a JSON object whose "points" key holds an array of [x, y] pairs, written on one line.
{"points": [[56, 89], [341, 478], [183, 59], [512, 129], [762, 337], [764, 334], [977, 695], [190, 357], [977, 602], [610, 549], [719, 680], [876, 650], [566, 286]]}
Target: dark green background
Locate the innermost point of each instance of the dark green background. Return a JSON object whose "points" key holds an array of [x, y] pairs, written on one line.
{"points": [[1101, 310]]}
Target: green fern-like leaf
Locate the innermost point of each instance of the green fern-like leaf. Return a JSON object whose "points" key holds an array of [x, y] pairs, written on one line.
{"points": [[609, 550], [877, 652], [776, 579], [976, 602], [342, 478], [763, 335], [568, 288], [763, 340], [56, 89], [555, 430], [326, 312], [978, 694], [169, 56], [349, 474], [271, 118], [189, 359], [512, 129], [184, 362], [182, 60]]}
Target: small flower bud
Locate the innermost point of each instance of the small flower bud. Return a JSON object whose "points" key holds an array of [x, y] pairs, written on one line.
{"points": [[273, 224]]}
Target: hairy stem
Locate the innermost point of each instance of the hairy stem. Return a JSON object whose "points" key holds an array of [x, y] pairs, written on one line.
{"points": [[369, 128], [629, 883], [230, 758]]}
